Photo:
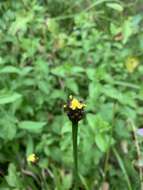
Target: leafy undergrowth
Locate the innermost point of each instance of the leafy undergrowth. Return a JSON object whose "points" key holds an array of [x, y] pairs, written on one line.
{"points": [[49, 50]]}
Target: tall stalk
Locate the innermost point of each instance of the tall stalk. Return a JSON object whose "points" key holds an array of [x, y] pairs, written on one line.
{"points": [[75, 153], [75, 112]]}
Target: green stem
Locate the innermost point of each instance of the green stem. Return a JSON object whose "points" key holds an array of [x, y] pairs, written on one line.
{"points": [[121, 164], [75, 154], [106, 166]]}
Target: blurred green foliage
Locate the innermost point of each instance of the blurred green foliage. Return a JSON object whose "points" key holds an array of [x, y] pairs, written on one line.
{"points": [[50, 49]]}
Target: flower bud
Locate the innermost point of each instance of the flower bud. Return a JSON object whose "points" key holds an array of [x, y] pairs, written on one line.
{"points": [[74, 109]]}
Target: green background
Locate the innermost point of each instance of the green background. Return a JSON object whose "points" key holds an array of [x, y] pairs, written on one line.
{"points": [[50, 49]]}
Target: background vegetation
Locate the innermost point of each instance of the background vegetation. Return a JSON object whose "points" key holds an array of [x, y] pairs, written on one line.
{"points": [[50, 49]]}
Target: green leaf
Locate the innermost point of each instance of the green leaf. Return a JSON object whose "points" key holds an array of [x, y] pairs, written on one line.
{"points": [[72, 85], [97, 123], [8, 126], [67, 179], [115, 29], [30, 146], [77, 69], [115, 6], [9, 98], [53, 26], [17, 70], [126, 99], [21, 22], [101, 142], [8, 131], [91, 120], [90, 73], [106, 111], [13, 179], [66, 128], [94, 90], [127, 30], [10, 69], [32, 126]]}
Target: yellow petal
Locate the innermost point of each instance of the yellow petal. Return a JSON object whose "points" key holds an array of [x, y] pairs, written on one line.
{"points": [[75, 104], [32, 158]]}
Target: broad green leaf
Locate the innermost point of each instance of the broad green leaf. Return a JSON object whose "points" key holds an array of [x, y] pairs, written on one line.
{"points": [[59, 71], [127, 30], [72, 85], [10, 69], [97, 123], [17, 70], [107, 111], [90, 73], [8, 131], [115, 29], [115, 6], [53, 26], [13, 178], [101, 142], [66, 128], [125, 99], [94, 90], [32, 126], [104, 141], [77, 69], [91, 120], [8, 126], [20, 23], [9, 98]]}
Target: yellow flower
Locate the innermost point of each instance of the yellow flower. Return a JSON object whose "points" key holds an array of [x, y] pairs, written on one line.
{"points": [[131, 64], [32, 158], [75, 104], [74, 109]]}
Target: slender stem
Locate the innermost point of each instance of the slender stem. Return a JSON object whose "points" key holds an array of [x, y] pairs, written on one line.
{"points": [[75, 154], [121, 164]]}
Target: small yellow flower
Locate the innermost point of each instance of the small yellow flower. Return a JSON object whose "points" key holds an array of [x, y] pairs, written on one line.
{"points": [[131, 64], [32, 158], [75, 104], [74, 109]]}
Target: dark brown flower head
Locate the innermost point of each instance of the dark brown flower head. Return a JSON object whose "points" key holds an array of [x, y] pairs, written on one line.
{"points": [[74, 109]]}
